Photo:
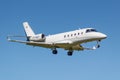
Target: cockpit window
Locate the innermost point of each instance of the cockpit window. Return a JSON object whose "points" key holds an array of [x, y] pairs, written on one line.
{"points": [[91, 30]]}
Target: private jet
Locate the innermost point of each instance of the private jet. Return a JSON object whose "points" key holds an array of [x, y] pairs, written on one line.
{"points": [[69, 41]]}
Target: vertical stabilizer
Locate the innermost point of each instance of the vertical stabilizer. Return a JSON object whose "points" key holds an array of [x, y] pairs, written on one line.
{"points": [[29, 32]]}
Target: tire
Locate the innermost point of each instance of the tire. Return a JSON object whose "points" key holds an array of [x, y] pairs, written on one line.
{"points": [[54, 51], [70, 53]]}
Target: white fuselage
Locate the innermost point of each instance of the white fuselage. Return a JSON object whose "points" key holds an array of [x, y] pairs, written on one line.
{"points": [[77, 36]]}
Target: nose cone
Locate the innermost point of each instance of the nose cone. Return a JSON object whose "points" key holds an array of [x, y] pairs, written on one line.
{"points": [[102, 36]]}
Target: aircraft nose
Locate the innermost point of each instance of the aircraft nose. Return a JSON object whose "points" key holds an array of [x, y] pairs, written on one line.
{"points": [[103, 36]]}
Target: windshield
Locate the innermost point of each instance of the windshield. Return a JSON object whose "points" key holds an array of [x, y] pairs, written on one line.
{"points": [[91, 30]]}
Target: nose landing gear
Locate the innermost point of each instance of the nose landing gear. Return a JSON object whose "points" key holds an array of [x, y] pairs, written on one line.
{"points": [[94, 47], [98, 46]]}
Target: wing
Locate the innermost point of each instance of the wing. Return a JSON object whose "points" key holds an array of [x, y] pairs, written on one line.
{"points": [[40, 44], [67, 45], [61, 44]]}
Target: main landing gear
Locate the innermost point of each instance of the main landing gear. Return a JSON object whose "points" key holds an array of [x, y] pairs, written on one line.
{"points": [[70, 52], [54, 51]]}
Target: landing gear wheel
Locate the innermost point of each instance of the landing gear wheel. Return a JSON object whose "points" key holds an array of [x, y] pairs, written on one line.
{"points": [[70, 53], [54, 51], [98, 46]]}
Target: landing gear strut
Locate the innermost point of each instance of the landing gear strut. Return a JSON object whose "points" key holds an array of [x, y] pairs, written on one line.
{"points": [[98, 46]]}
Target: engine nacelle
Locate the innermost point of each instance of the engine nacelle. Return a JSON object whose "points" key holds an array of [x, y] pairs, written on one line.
{"points": [[38, 38]]}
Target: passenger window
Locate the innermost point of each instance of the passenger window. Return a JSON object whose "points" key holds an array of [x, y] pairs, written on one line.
{"points": [[81, 32], [64, 36], [67, 35], [75, 34]]}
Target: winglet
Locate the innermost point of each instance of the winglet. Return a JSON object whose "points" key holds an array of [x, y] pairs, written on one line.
{"points": [[8, 39]]}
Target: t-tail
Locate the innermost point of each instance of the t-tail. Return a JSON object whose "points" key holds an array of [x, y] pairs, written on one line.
{"points": [[31, 35]]}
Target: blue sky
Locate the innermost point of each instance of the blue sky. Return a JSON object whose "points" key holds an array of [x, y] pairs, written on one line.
{"points": [[22, 62]]}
